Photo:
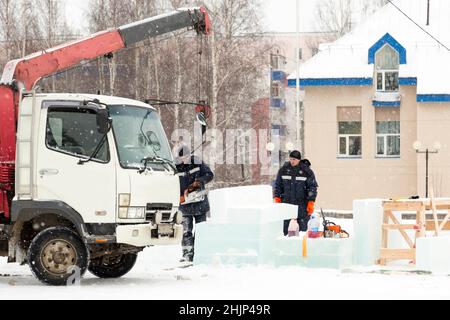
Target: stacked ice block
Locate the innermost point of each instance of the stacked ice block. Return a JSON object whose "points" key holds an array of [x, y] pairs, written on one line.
{"points": [[244, 226], [367, 221]]}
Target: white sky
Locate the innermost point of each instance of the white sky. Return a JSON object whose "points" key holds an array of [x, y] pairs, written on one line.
{"points": [[280, 14]]}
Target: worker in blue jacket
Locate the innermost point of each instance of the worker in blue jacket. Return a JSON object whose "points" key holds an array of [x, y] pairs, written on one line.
{"points": [[194, 204], [296, 184]]}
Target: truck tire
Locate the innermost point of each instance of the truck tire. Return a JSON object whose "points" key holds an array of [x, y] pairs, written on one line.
{"points": [[57, 256], [116, 269]]}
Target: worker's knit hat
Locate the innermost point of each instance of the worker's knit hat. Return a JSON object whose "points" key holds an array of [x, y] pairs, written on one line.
{"points": [[296, 155]]}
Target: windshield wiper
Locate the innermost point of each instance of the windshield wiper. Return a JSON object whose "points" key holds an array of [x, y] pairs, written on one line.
{"points": [[96, 151], [156, 159]]}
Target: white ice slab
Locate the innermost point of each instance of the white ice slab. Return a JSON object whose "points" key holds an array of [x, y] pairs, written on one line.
{"points": [[262, 213], [367, 220], [222, 199], [433, 254]]}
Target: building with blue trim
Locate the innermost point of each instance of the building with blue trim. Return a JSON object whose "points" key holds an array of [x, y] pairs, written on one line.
{"points": [[370, 95]]}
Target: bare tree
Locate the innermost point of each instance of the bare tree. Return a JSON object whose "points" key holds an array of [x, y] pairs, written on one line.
{"points": [[8, 29], [340, 16]]}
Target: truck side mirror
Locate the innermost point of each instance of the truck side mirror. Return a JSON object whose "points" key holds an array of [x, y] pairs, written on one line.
{"points": [[103, 121]]}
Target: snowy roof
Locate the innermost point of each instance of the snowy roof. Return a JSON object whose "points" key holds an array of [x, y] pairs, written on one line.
{"points": [[426, 59]]}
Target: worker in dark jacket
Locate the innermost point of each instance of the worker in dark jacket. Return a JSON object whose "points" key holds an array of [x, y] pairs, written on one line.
{"points": [[194, 205], [296, 184]]}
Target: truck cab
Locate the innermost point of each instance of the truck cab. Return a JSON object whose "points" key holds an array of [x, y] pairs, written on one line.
{"points": [[98, 167], [86, 181]]}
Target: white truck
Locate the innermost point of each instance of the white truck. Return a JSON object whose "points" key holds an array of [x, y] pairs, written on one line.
{"points": [[86, 181]]}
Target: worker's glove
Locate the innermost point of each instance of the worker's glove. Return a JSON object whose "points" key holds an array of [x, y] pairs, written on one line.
{"points": [[277, 200], [184, 196], [195, 186], [310, 207]]}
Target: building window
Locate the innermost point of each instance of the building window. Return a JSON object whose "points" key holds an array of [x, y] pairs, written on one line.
{"points": [[349, 132], [275, 93], [387, 61], [300, 53], [278, 130], [388, 132], [277, 61]]}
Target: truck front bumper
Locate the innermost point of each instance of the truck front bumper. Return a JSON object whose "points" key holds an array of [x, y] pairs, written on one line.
{"points": [[143, 235]]}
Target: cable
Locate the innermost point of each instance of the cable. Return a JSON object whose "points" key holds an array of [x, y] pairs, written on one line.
{"points": [[429, 34]]}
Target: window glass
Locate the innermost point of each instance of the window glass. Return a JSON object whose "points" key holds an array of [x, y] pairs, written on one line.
{"points": [[139, 135], [354, 145], [342, 145], [387, 58], [379, 81], [391, 81], [388, 127], [350, 127], [380, 146], [74, 132], [393, 145]]}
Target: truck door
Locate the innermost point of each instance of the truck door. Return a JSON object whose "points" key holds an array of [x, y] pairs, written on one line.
{"points": [[69, 133]]}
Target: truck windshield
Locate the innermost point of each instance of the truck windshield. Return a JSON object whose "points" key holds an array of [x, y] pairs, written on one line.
{"points": [[139, 136]]}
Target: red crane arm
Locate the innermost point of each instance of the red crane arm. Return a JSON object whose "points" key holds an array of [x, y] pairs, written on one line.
{"points": [[30, 69]]}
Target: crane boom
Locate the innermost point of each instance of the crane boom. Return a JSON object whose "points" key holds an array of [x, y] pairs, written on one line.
{"points": [[29, 70]]}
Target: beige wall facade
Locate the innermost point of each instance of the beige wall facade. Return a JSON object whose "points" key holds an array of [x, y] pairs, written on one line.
{"points": [[342, 180]]}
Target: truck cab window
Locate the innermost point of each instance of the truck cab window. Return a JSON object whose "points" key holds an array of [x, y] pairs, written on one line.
{"points": [[139, 134], [74, 132]]}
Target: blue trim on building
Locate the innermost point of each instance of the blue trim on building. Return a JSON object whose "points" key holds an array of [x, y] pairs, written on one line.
{"points": [[433, 98], [407, 81], [387, 39], [386, 103], [332, 82]]}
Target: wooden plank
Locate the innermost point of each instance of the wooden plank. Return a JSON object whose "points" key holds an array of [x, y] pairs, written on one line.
{"points": [[399, 226], [447, 217], [402, 232], [430, 225], [403, 205], [422, 223], [384, 235], [398, 254], [435, 218]]}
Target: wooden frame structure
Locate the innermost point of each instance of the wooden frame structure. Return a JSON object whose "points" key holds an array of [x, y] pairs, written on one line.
{"points": [[390, 222]]}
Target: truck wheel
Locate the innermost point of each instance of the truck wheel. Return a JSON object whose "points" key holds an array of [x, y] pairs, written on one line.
{"points": [[55, 254], [115, 268]]}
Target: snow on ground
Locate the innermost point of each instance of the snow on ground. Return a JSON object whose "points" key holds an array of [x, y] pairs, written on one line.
{"points": [[151, 279]]}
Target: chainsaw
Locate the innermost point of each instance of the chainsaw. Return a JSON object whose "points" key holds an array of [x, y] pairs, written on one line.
{"points": [[331, 229], [195, 196]]}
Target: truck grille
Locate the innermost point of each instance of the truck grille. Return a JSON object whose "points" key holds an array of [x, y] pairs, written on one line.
{"points": [[164, 208], [150, 216], [159, 207]]}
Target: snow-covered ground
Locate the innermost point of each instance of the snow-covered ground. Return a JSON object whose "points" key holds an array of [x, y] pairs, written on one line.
{"points": [[151, 279]]}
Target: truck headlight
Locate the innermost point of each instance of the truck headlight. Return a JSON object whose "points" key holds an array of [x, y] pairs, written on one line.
{"points": [[136, 213]]}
